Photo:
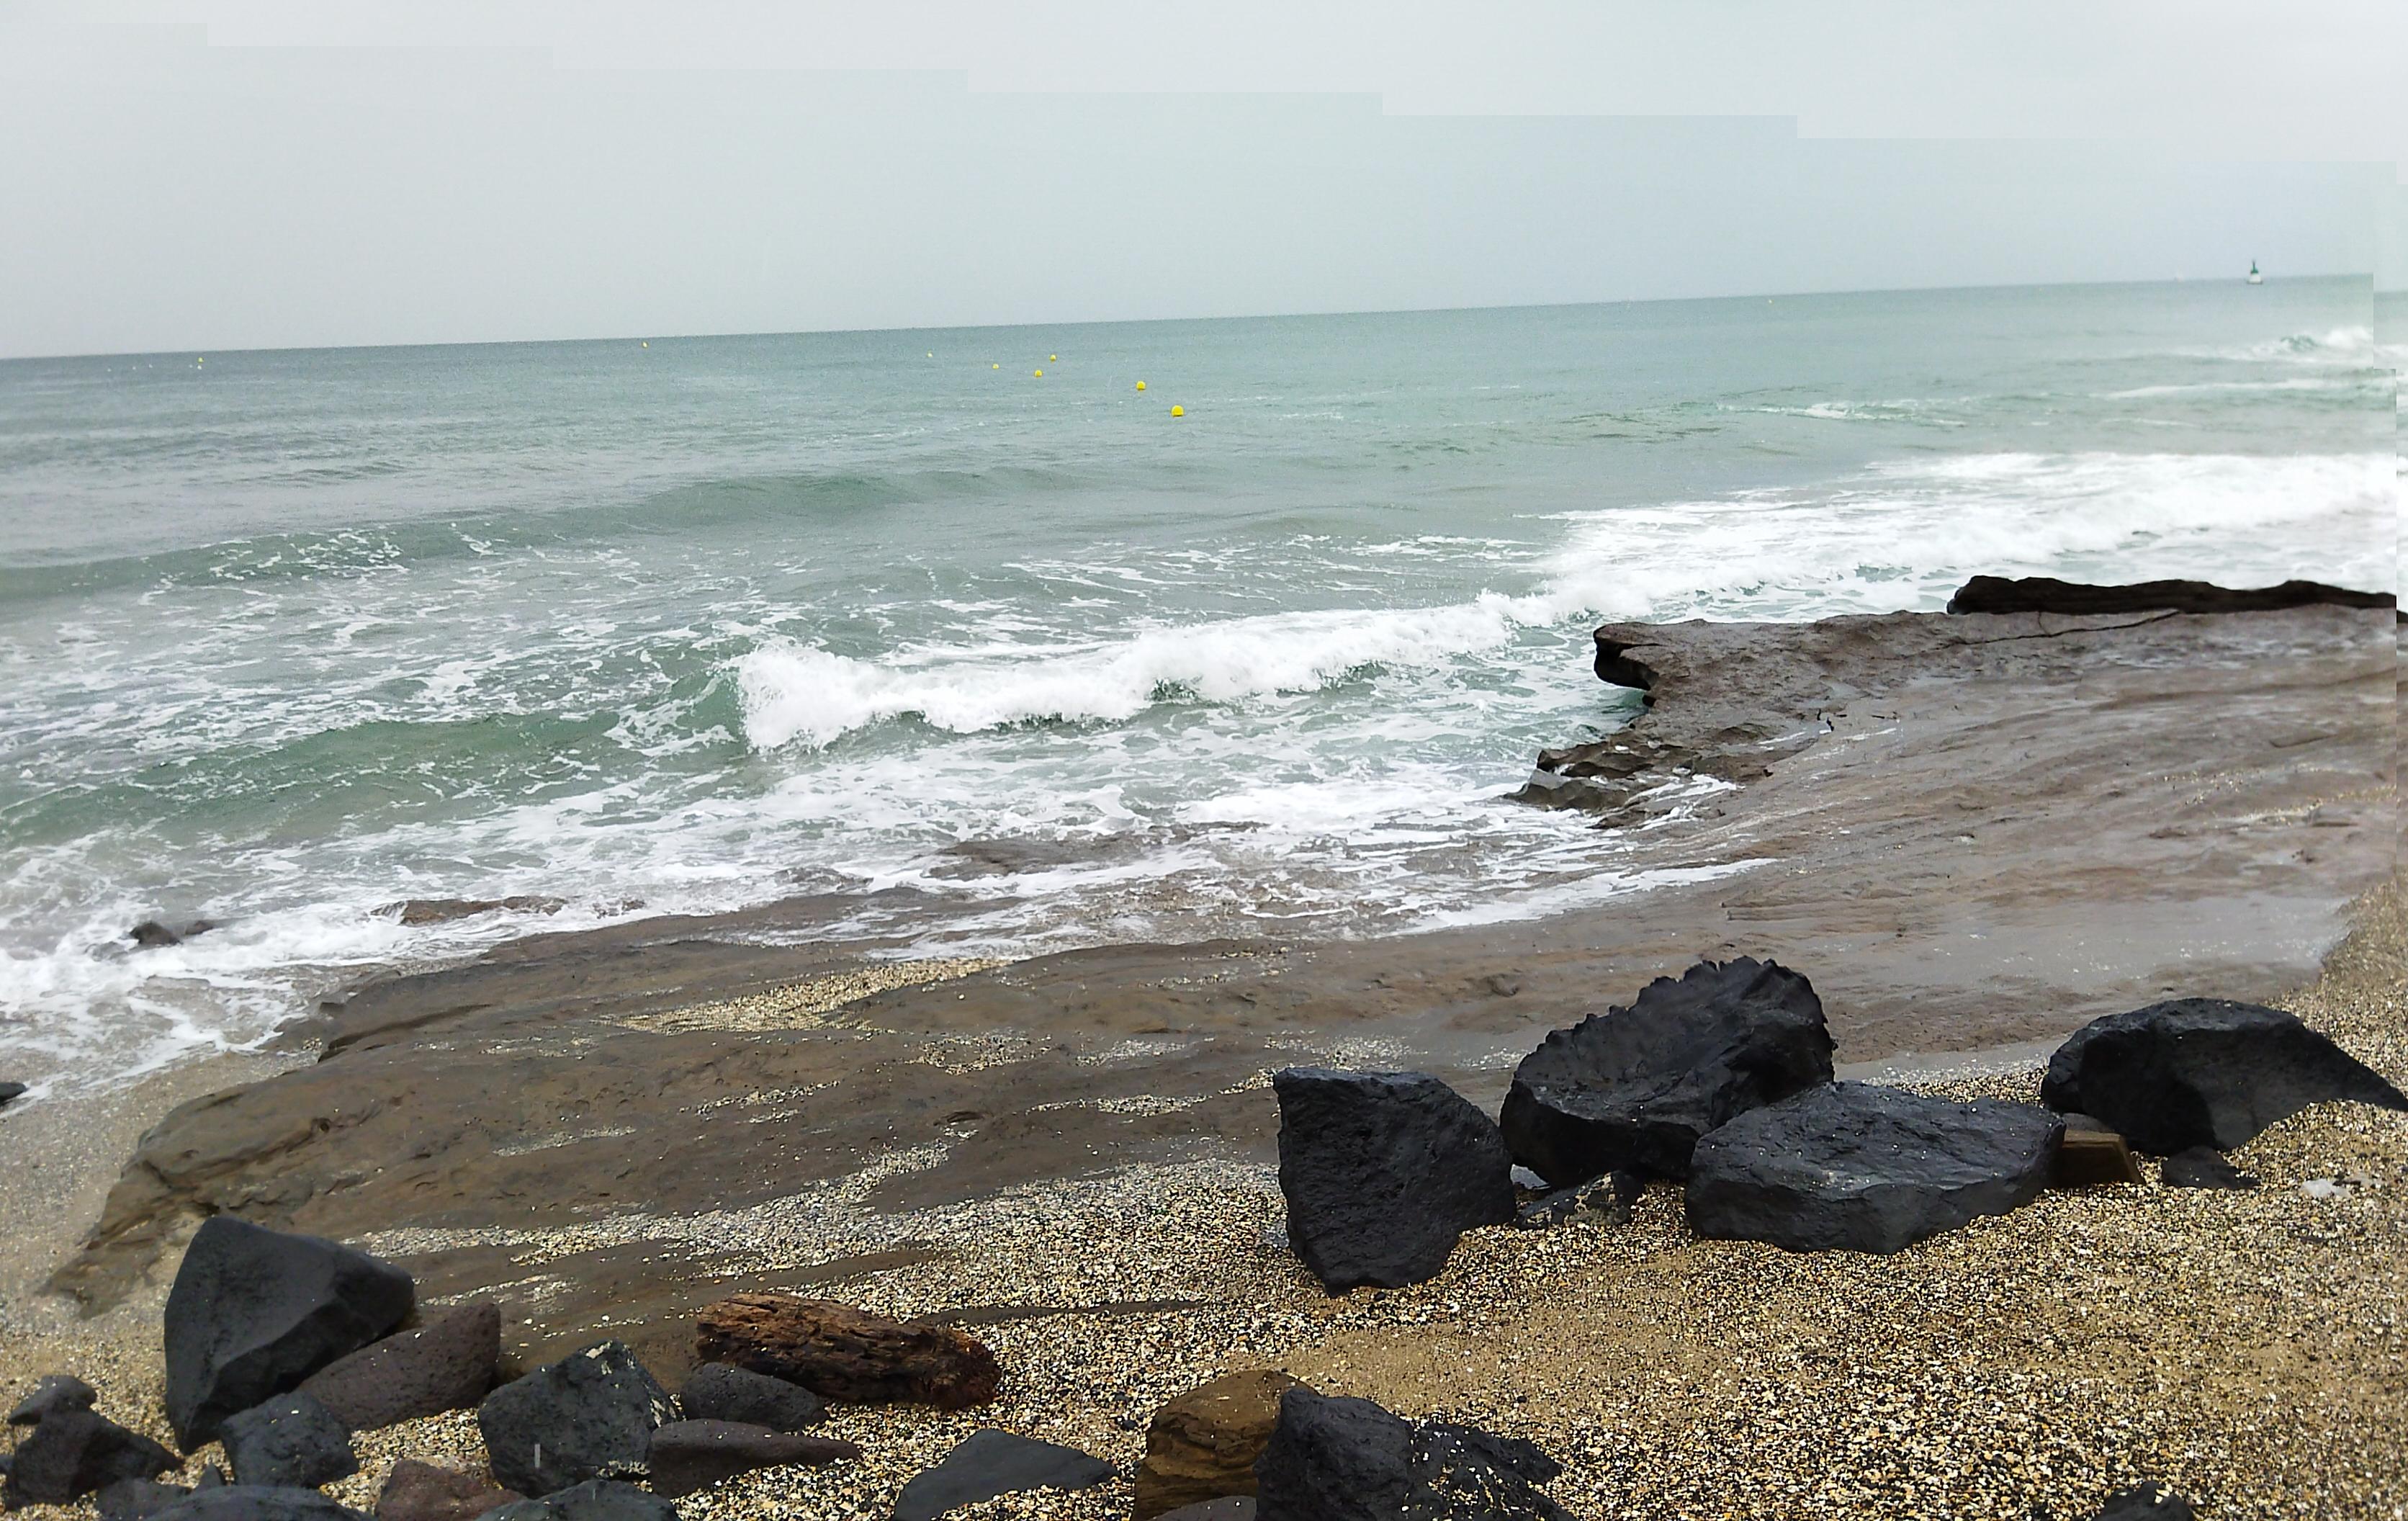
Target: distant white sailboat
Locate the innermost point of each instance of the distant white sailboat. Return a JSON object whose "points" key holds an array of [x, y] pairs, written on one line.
{"points": [[2255, 278]]}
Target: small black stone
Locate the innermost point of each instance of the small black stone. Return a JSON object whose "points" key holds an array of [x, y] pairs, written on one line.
{"points": [[293, 1443], [989, 1463]]}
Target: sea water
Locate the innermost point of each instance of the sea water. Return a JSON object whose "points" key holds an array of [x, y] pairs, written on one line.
{"points": [[685, 625]]}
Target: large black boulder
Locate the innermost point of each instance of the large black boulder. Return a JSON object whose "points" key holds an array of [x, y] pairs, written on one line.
{"points": [[596, 1499], [253, 1311], [1333, 1458], [256, 1502], [2203, 1072], [290, 1443], [1853, 1167], [446, 1364], [1383, 1173], [725, 1392], [71, 1453], [989, 1463], [1632, 1090], [589, 1415]]}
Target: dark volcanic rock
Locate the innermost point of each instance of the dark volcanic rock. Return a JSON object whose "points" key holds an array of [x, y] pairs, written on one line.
{"points": [[8, 1091], [1202, 1445], [989, 1463], [446, 1364], [293, 1442], [439, 910], [52, 1392], [1849, 1166], [1605, 1200], [1383, 1173], [1633, 1089], [130, 1499], [596, 1499], [2146, 1502], [254, 1311], [416, 1491], [1340, 1459], [71, 1453], [2203, 1167], [2203, 1072], [722, 1392], [589, 1415], [2046, 593], [150, 933], [255, 1503], [688, 1455], [841, 1353]]}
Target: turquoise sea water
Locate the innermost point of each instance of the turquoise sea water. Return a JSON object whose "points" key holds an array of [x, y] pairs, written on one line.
{"points": [[285, 637]]}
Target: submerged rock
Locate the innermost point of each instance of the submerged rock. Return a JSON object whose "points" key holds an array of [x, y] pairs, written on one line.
{"points": [[254, 1311], [687, 1456], [416, 1491], [989, 1463], [439, 910], [1341, 1459], [841, 1353], [589, 1415], [8, 1091], [2204, 1073], [52, 1392], [2203, 1167], [71, 1453], [724, 1392], [1853, 1167], [448, 1363], [1632, 1090], [294, 1442], [1202, 1445], [1383, 1173]]}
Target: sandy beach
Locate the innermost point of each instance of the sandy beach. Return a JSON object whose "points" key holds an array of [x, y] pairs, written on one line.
{"points": [[1070, 1156]]}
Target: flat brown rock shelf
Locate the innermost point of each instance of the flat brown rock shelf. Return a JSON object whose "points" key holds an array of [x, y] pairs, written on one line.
{"points": [[1969, 830]]}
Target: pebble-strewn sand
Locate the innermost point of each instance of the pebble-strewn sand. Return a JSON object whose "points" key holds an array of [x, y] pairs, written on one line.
{"points": [[2249, 1349]]}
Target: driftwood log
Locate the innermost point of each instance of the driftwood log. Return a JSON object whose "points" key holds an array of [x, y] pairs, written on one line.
{"points": [[840, 1353]]}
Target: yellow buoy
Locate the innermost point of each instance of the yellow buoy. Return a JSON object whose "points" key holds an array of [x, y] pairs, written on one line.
{"points": [[644, 343], [1140, 385], [1052, 359], [932, 353], [1038, 373], [1179, 411], [994, 366]]}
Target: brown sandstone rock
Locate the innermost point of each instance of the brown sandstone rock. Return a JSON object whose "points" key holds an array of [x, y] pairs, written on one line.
{"points": [[840, 1353], [1203, 1444], [446, 1364], [416, 1491]]}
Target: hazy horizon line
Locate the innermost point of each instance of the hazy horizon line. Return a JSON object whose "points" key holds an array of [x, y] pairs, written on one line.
{"points": [[647, 336]]}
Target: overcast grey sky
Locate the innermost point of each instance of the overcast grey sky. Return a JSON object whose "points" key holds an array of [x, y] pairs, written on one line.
{"points": [[211, 176]]}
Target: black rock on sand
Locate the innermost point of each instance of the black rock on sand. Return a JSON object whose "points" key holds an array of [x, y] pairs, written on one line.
{"points": [[253, 1311], [989, 1463], [1383, 1173], [1853, 1167], [1333, 1458], [2204, 1073], [589, 1415], [1632, 1090]]}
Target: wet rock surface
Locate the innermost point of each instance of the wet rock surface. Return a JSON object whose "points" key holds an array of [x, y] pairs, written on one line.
{"points": [[589, 1415], [1383, 1173], [840, 1353], [1631, 1090], [448, 1363], [2204, 1073], [253, 1311], [1854, 1167], [687, 1456], [722, 1392], [990, 1463]]}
